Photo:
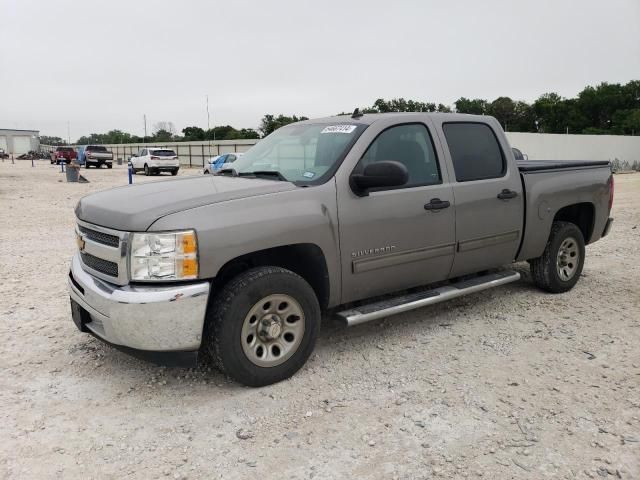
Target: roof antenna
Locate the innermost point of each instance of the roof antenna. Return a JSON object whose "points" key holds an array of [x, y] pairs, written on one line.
{"points": [[356, 113]]}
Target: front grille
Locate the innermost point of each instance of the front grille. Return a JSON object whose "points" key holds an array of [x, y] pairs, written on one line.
{"points": [[100, 265], [100, 237]]}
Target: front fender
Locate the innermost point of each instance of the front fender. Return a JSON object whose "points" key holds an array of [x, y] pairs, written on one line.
{"points": [[228, 230]]}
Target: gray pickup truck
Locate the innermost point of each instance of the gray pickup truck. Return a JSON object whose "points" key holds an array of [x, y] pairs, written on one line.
{"points": [[97, 155], [361, 216]]}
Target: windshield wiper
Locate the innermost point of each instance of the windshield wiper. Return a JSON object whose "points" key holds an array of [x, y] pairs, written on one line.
{"points": [[273, 174]]}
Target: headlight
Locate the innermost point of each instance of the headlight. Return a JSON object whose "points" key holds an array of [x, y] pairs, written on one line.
{"points": [[164, 256]]}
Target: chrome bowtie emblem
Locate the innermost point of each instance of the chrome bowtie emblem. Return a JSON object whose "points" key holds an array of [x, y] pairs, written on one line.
{"points": [[80, 241]]}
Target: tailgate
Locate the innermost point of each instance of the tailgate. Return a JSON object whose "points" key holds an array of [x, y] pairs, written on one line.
{"points": [[101, 155]]}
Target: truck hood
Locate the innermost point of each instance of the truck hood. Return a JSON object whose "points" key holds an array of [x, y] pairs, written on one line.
{"points": [[133, 208]]}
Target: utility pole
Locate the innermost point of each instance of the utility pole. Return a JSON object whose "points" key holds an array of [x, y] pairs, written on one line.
{"points": [[208, 127], [208, 121], [68, 134], [144, 140]]}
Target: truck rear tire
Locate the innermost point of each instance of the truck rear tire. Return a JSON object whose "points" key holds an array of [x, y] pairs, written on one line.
{"points": [[262, 326], [559, 267]]}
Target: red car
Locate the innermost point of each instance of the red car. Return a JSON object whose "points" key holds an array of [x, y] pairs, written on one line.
{"points": [[63, 154]]}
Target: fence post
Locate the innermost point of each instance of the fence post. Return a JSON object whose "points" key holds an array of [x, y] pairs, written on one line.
{"points": [[203, 155], [189, 154]]}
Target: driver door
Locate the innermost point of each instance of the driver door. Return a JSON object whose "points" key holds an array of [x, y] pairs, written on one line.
{"points": [[392, 239]]}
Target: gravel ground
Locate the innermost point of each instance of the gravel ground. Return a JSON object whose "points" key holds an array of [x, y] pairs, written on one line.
{"points": [[508, 383]]}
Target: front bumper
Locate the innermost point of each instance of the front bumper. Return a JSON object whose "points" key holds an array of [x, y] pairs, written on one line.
{"points": [[143, 318]]}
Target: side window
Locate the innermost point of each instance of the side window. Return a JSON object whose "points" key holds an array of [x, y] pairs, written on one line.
{"points": [[231, 158], [143, 152], [408, 144], [475, 151]]}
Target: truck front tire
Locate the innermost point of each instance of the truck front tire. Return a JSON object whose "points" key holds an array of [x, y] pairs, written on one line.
{"points": [[262, 326], [559, 267]]}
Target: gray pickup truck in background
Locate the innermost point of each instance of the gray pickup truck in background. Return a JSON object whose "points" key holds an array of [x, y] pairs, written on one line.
{"points": [[97, 155], [363, 217]]}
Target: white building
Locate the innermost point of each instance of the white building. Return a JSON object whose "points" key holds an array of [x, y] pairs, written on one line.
{"points": [[18, 142]]}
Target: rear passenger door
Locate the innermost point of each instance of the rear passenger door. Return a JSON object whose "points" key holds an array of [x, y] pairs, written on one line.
{"points": [[488, 196]]}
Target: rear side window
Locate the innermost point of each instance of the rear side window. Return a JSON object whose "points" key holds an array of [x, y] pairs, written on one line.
{"points": [[408, 144], [475, 151], [163, 153]]}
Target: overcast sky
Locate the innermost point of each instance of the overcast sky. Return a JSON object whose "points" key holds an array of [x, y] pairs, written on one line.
{"points": [[103, 64]]}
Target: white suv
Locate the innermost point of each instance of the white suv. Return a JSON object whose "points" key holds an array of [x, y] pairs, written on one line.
{"points": [[155, 160]]}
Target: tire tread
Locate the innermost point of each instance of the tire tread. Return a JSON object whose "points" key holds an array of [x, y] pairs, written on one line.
{"points": [[543, 267], [220, 303]]}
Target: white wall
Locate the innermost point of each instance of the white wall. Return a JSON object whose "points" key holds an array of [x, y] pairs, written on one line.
{"points": [[546, 146], [538, 146]]}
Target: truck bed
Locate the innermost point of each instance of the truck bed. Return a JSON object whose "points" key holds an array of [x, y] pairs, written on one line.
{"points": [[539, 165]]}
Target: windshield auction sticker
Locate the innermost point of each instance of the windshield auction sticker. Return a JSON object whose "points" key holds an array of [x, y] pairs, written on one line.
{"points": [[339, 129]]}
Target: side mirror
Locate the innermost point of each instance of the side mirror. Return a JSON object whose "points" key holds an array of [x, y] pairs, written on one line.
{"points": [[379, 175]]}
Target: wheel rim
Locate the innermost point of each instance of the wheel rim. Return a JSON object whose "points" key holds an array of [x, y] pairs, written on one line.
{"points": [[272, 331], [568, 259]]}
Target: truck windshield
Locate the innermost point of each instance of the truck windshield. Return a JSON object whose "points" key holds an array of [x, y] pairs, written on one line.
{"points": [[304, 153]]}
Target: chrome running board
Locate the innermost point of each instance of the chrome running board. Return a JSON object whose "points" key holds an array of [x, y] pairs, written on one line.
{"points": [[404, 303]]}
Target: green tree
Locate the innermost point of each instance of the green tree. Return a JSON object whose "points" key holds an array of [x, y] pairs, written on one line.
{"points": [[600, 103], [503, 109], [270, 123], [162, 135], [47, 140], [477, 106], [249, 133], [523, 118], [193, 134], [550, 111]]}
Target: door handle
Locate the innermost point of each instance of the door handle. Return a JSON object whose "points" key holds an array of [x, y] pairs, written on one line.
{"points": [[507, 194], [437, 204]]}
